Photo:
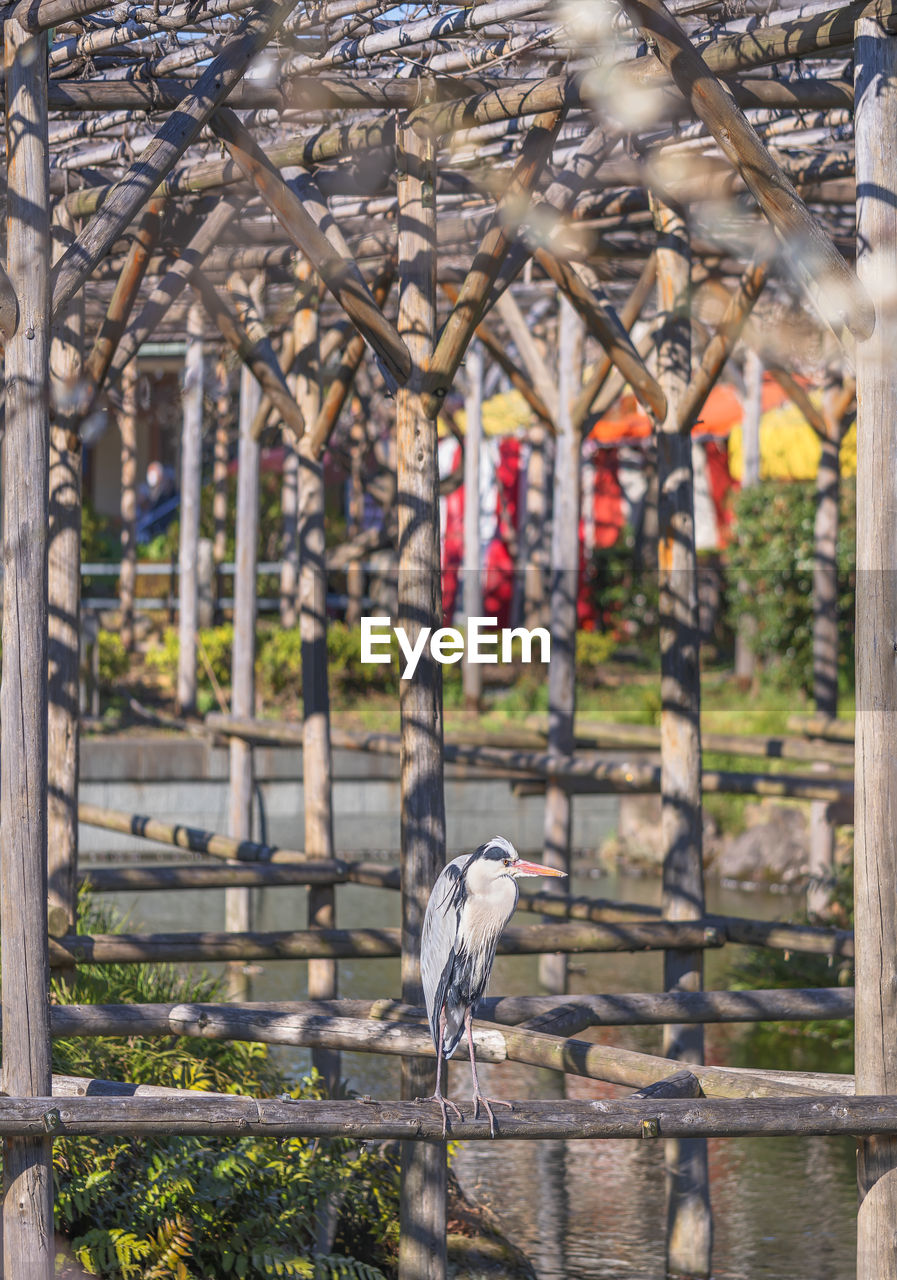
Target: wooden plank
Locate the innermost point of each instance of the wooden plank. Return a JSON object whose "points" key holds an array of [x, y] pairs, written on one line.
{"points": [[124, 295], [191, 493], [689, 1222], [558, 817], [473, 295], [606, 327], [818, 265], [421, 1122], [338, 270], [64, 607], [27, 1162], [422, 1224], [234, 316], [181, 129], [875, 865], [153, 878]]}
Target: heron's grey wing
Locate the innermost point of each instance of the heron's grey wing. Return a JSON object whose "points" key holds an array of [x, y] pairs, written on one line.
{"points": [[439, 939]]}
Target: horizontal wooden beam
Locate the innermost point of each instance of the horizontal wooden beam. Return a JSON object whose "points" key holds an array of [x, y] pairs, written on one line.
{"points": [[314, 944], [367, 1120]]}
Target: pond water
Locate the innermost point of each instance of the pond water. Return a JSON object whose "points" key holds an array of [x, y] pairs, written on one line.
{"points": [[784, 1209]]}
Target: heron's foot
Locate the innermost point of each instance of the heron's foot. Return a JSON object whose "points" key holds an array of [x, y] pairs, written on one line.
{"points": [[488, 1104], [444, 1104]]}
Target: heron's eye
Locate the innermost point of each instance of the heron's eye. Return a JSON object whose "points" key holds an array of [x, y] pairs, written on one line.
{"points": [[506, 861]]}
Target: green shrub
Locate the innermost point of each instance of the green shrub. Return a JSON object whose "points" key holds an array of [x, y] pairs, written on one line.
{"points": [[216, 643], [770, 574], [190, 1208], [114, 660]]}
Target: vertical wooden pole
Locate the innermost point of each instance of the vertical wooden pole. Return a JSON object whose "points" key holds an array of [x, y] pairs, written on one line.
{"points": [[534, 542], [191, 495], [745, 659], [317, 768], [825, 650], [237, 901], [472, 674], [220, 460], [64, 588], [127, 426], [875, 870], [304, 324], [422, 1254], [27, 1162], [564, 589], [355, 573], [689, 1225]]}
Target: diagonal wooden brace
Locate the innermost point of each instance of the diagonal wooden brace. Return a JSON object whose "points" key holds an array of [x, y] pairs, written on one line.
{"points": [[818, 265], [336, 268], [604, 324], [472, 300]]}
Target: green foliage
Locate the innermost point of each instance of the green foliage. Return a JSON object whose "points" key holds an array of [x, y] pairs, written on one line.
{"points": [[114, 660], [623, 586], [593, 649], [99, 541], [190, 1208], [216, 644], [770, 575], [809, 1046]]}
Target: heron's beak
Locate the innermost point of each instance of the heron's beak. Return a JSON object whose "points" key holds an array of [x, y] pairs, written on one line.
{"points": [[521, 868]]}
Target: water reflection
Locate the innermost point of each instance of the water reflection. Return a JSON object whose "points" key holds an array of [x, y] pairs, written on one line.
{"points": [[784, 1209]]}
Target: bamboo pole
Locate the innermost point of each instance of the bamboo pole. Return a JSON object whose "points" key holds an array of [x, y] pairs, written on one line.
{"points": [[422, 1249], [238, 905], [689, 1222], [27, 1161], [64, 608], [564, 590], [876, 675], [127, 574], [191, 493]]}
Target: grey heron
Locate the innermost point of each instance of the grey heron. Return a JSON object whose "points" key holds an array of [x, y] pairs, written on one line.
{"points": [[470, 904]]}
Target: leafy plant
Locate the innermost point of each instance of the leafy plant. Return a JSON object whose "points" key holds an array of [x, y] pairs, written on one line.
{"points": [[770, 575], [114, 659], [187, 1208]]}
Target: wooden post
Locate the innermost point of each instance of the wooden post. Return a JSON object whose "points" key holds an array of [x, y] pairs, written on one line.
{"points": [[564, 588], [745, 659], [689, 1225], [238, 915], [472, 578], [64, 630], [27, 1162], [317, 768], [355, 523], [875, 129], [191, 494], [127, 427], [422, 1254], [825, 650], [304, 322], [534, 540], [220, 459]]}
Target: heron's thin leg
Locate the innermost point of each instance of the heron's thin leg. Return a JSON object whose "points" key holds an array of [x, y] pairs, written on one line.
{"points": [[444, 1103], [478, 1096]]}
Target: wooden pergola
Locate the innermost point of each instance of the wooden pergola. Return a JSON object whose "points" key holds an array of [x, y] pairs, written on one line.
{"points": [[322, 187]]}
